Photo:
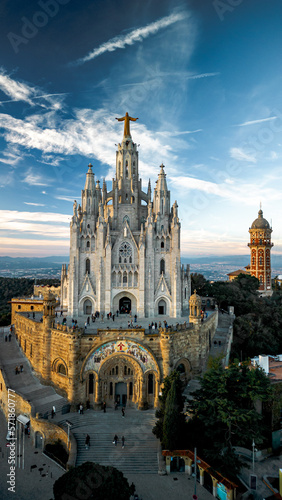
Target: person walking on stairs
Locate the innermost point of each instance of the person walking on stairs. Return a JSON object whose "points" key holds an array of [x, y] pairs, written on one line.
{"points": [[87, 442]]}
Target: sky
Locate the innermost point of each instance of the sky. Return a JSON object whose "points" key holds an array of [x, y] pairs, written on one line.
{"points": [[204, 78]]}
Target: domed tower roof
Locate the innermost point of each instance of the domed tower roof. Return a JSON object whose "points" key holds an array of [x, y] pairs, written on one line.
{"points": [[260, 222], [195, 299]]}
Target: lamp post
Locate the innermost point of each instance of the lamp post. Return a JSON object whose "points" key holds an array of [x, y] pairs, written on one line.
{"points": [[195, 472], [69, 424], [253, 445]]}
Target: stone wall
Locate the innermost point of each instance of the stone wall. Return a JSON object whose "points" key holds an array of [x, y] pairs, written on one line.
{"points": [[57, 353], [25, 305], [49, 431]]}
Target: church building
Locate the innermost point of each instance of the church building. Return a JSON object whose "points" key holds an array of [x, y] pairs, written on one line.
{"points": [[124, 247], [125, 257]]}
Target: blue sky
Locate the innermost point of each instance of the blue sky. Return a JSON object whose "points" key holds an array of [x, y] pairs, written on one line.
{"points": [[203, 77]]}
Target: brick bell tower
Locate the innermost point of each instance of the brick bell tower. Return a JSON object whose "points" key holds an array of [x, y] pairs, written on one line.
{"points": [[260, 246]]}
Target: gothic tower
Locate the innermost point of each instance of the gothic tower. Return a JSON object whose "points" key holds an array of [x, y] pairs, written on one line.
{"points": [[260, 247]]}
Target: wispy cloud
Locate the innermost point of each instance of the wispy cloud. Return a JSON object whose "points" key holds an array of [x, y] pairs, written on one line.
{"points": [[231, 189], [137, 35], [201, 75], [253, 122], [21, 91], [15, 215], [174, 134], [33, 247], [34, 204], [67, 198], [33, 179], [17, 91], [240, 155]]}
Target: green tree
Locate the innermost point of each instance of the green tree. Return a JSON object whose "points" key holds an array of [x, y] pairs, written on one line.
{"points": [[247, 283], [199, 283], [160, 412], [224, 411], [92, 481], [173, 420]]}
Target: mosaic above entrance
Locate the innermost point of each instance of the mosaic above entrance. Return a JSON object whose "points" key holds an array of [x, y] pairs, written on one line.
{"points": [[139, 352]]}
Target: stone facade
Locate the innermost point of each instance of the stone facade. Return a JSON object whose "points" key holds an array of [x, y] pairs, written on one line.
{"points": [[124, 248], [125, 366]]}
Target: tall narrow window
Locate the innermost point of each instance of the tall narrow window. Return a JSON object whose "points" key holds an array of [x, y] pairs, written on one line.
{"points": [[150, 383], [87, 266], [111, 388], [91, 383], [162, 266]]}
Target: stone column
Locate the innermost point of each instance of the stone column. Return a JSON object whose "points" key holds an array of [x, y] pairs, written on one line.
{"points": [[157, 384], [202, 472], [167, 464], [229, 494], [165, 348], [74, 348], [142, 393], [188, 465], [214, 487]]}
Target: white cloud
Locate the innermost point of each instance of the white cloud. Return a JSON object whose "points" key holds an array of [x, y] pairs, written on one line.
{"points": [[137, 35], [90, 133], [240, 155], [174, 134], [67, 198], [35, 247], [16, 90], [20, 91], [52, 231], [7, 216], [33, 179], [253, 122], [34, 204], [202, 75], [232, 190]]}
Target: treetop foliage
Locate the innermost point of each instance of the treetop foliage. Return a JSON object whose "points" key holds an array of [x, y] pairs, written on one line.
{"points": [[93, 481]]}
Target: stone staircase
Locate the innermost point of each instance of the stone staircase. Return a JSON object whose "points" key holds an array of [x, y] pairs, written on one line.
{"points": [[42, 397], [139, 456]]}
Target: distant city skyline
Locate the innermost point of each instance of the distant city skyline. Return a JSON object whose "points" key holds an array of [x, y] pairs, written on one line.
{"points": [[204, 81]]}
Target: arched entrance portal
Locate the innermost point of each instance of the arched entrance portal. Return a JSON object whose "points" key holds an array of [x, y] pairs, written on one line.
{"points": [[125, 305], [123, 372], [87, 307], [162, 307]]}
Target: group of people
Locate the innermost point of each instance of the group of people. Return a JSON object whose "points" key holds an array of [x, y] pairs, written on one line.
{"points": [[18, 369], [115, 441], [8, 337]]}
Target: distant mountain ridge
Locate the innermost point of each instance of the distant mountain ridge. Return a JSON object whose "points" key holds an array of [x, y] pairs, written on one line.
{"points": [[7, 262]]}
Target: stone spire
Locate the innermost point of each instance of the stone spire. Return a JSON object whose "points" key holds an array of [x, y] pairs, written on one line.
{"points": [[90, 180], [161, 195]]}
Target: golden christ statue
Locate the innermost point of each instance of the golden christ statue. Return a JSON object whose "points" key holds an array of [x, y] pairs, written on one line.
{"points": [[126, 119]]}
